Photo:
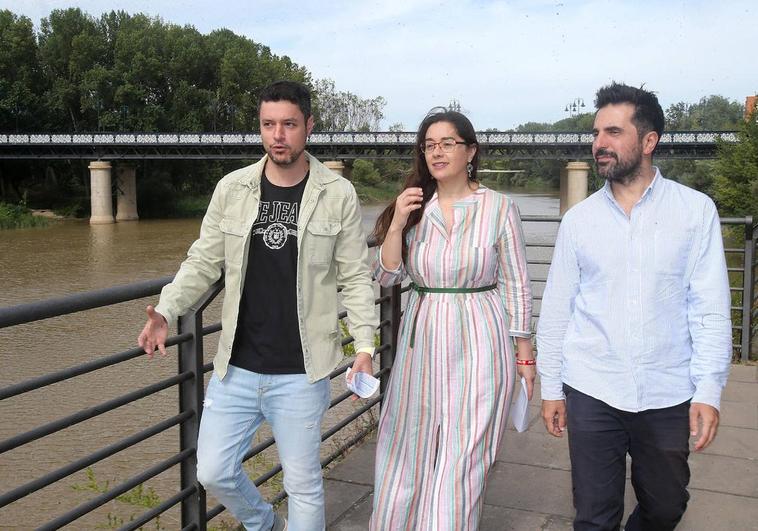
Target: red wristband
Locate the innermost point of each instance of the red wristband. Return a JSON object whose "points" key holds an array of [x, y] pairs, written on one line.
{"points": [[526, 362]]}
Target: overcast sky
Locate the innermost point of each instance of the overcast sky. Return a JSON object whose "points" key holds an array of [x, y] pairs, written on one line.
{"points": [[507, 62]]}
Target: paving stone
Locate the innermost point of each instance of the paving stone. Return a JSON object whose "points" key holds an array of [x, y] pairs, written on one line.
{"points": [[739, 415], [356, 518], [535, 447], [735, 442], [341, 497], [531, 488], [714, 511], [745, 392], [496, 518], [743, 373], [729, 475], [358, 466]]}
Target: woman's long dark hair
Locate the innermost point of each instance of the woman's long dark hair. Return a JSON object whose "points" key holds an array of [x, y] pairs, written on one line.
{"points": [[420, 176]]}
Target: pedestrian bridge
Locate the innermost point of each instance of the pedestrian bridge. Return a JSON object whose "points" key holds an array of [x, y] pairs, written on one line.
{"points": [[328, 145]]}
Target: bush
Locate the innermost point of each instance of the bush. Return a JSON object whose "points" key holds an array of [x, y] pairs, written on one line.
{"points": [[364, 172], [18, 216]]}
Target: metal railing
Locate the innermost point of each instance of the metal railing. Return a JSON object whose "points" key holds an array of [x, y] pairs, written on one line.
{"points": [[190, 382]]}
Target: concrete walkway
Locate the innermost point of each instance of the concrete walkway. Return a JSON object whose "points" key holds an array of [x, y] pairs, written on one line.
{"points": [[530, 484]]}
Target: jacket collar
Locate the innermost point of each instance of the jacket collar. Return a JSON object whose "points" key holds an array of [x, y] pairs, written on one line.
{"points": [[319, 175]]}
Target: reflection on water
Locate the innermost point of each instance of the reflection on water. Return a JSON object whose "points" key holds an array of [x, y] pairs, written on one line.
{"points": [[73, 256]]}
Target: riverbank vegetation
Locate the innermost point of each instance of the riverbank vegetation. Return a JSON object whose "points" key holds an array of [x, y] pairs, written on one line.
{"points": [[19, 217]]}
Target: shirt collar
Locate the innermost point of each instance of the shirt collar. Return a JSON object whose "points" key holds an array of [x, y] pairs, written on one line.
{"points": [[653, 191]]}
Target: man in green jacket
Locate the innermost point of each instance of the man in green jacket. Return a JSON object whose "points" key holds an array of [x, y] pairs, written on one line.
{"points": [[286, 234]]}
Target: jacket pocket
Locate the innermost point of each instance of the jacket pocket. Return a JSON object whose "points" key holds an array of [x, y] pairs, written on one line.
{"points": [[234, 240], [322, 234]]}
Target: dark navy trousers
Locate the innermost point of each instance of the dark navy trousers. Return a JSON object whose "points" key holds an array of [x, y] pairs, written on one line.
{"points": [[600, 437]]}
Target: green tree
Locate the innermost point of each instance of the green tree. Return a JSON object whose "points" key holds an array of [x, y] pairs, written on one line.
{"points": [[711, 113], [70, 45], [20, 74], [365, 172], [534, 127], [580, 123], [735, 185]]}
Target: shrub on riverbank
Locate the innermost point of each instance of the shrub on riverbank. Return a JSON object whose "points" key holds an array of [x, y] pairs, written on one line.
{"points": [[19, 217]]}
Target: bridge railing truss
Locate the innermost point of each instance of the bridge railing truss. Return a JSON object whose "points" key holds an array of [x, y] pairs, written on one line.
{"points": [[339, 145]]}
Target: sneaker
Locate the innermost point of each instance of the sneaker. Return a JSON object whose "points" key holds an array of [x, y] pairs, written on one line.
{"points": [[280, 523]]}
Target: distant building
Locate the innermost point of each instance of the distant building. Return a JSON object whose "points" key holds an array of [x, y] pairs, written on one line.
{"points": [[750, 106]]}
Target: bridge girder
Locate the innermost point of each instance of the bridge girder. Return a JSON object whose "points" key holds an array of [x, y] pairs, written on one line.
{"points": [[327, 146]]}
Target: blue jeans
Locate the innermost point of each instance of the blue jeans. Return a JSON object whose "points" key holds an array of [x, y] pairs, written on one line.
{"points": [[234, 409]]}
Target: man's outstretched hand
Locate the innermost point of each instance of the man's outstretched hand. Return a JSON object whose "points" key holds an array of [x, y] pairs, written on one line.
{"points": [[154, 333]]}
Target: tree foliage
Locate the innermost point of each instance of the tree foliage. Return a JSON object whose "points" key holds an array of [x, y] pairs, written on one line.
{"points": [[735, 185], [133, 72], [20, 73], [130, 72], [712, 113], [344, 111]]}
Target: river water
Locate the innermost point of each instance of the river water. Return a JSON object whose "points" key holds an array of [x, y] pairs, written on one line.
{"points": [[71, 257]]}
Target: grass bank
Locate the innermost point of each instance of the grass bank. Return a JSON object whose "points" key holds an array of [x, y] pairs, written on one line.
{"points": [[19, 217]]}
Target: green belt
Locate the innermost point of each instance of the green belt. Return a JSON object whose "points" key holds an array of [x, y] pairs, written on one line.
{"points": [[422, 290]]}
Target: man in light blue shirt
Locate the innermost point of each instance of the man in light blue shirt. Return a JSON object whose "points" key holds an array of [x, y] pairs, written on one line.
{"points": [[634, 337]]}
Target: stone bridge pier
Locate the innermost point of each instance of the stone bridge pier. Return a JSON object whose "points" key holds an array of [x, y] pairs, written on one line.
{"points": [[101, 193], [126, 193], [574, 181]]}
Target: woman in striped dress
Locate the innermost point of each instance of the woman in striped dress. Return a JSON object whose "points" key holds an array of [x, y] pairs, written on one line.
{"points": [[447, 401]]}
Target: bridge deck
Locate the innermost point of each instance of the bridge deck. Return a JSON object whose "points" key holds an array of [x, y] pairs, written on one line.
{"points": [[530, 484], [334, 145]]}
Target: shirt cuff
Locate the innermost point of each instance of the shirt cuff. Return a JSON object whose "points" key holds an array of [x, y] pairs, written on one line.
{"points": [[708, 393], [551, 390], [371, 351], [166, 313]]}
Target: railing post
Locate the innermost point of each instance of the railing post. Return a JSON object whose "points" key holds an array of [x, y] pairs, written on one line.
{"points": [[747, 290], [389, 310], [191, 399]]}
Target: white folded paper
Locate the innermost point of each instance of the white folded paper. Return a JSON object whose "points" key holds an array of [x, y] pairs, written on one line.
{"points": [[363, 385], [520, 409]]}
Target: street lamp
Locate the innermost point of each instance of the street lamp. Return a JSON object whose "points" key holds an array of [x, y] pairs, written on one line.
{"points": [[574, 107]]}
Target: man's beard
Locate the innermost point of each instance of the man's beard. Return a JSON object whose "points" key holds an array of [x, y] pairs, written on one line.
{"points": [[288, 159], [623, 171]]}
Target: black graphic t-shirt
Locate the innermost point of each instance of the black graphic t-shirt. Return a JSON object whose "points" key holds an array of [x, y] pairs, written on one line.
{"points": [[267, 339]]}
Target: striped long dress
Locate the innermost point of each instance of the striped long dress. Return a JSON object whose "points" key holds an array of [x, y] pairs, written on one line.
{"points": [[447, 401]]}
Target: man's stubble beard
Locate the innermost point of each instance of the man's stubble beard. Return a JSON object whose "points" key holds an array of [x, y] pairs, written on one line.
{"points": [[623, 171]]}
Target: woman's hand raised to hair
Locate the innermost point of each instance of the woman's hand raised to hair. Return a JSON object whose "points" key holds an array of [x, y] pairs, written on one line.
{"points": [[408, 201]]}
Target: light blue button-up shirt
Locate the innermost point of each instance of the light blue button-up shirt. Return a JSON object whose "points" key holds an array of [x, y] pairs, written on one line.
{"points": [[636, 310]]}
